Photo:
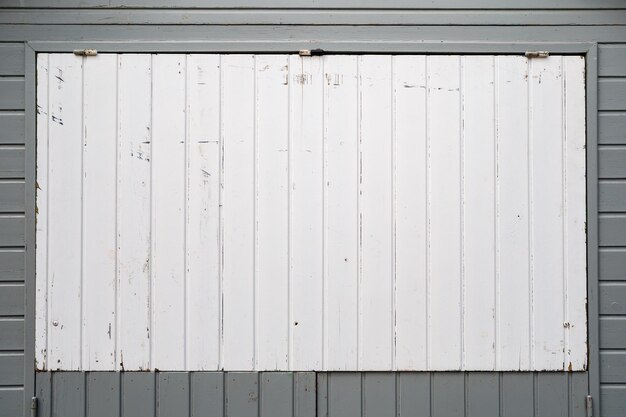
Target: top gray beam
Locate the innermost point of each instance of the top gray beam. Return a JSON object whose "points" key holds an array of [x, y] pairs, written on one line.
{"points": [[313, 17], [374, 4]]}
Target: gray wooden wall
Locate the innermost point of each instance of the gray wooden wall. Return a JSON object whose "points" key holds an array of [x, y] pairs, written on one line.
{"points": [[442, 394]]}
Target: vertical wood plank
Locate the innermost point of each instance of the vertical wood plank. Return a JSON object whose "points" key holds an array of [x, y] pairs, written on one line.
{"points": [[41, 233], [306, 212], [410, 200], [64, 214], [512, 188], [203, 212], [99, 213], [551, 394], [547, 210], [168, 212], [340, 215], [413, 394], [575, 288], [305, 394], [517, 394], [276, 394], [448, 394], [237, 75], [375, 214], [379, 394], [43, 392], [483, 394], [272, 212], [207, 394], [68, 392], [344, 394], [138, 393], [134, 257], [444, 182], [479, 212], [173, 394], [103, 389], [242, 394]]}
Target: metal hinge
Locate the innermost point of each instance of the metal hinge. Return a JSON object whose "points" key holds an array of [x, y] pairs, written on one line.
{"points": [[85, 52], [537, 54], [589, 405], [33, 407], [311, 52]]}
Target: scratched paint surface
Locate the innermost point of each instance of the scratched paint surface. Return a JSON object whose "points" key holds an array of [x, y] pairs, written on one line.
{"points": [[277, 212]]}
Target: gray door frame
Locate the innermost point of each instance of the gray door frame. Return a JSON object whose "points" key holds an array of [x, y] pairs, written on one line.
{"points": [[589, 50]]}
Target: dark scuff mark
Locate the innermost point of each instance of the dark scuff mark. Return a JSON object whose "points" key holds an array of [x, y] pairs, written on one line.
{"points": [[57, 120]]}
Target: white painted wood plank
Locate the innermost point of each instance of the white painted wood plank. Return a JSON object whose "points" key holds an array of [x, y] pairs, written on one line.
{"points": [[341, 220], [547, 211], [306, 77], [134, 257], [479, 214], [203, 212], [168, 212], [237, 74], [375, 211], [64, 212], [444, 171], [575, 215], [99, 212], [272, 212], [513, 262], [41, 225], [410, 228]]}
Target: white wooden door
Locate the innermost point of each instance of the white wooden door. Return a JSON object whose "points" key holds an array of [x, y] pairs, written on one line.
{"points": [[277, 212]]}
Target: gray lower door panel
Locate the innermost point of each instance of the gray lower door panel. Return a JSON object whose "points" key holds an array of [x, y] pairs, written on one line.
{"points": [[308, 394]]}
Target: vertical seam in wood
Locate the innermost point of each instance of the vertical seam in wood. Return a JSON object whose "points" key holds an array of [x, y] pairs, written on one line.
{"points": [[255, 234], [116, 308], [289, 217], [427, 198], [82, 218], [186, 220], [565, 247], [359, 331], [393, 216], [47, 323], [531, 327], [496, 300], [221, 225], [462, 205], [324, 219]]}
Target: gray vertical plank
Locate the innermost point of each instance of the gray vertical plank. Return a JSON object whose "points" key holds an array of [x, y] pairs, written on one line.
{"points": [[242, 394], [103, 394], [68, 394], [43, 391], [321, 394], [344, 394], [276, 394], [304, 398], [413, 394], [578, 389], [483, 394], [448, 394], [173, 394], [207, 394], [379, 394], [551, 394], [138, 394], [517, 394]]}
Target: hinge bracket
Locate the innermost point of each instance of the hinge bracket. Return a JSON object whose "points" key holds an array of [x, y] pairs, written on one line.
{"points": [[85, 52], [311, 52], [589, 405], [33, 407], [537, 54]]}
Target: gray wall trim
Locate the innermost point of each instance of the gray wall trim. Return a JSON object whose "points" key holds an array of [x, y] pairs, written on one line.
{"points": [[255, 35], [313, 17], [307, 394]]}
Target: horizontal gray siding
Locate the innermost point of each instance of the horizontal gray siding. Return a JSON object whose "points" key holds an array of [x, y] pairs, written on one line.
{"points": [[612, 205], [334, 394], [12, 197]]}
